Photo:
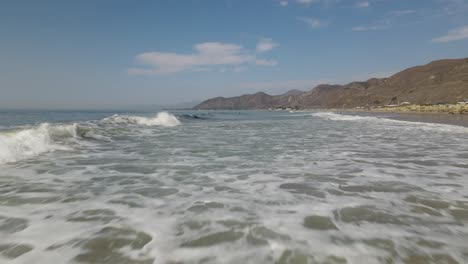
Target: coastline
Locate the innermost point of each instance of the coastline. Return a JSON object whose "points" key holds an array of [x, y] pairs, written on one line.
{"points": [[453, 109], [425, 117]]}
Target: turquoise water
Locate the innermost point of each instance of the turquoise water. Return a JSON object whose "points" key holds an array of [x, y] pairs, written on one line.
{"points": [[230, 187]]}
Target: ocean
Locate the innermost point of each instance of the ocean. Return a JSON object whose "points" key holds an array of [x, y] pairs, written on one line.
{"points": [[230, 187]]}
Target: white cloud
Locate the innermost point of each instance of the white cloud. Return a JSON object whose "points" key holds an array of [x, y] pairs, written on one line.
{"points": [[310, 2], [284, 3], [369, 27], [265, 45], [208, 54], [312, 22], [391, 19], [453, 35], [402, 12], [362, 4]]}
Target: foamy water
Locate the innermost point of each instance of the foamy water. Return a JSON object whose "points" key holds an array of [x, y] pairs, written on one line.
{"points": [[24, 143], [234, 187], [161, 119]]}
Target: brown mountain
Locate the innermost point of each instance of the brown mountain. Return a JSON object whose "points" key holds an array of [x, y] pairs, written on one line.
{"points": [[259, 100], [293, 92], [443, 81]]}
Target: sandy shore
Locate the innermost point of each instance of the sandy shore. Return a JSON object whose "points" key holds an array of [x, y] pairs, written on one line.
{"points": [[426, 117], [453, 109]]}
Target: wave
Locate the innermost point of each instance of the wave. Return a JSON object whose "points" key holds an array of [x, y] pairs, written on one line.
{"points": [[24, 143], [404, 124], [338, 117], [161, 119], [193, 117]]}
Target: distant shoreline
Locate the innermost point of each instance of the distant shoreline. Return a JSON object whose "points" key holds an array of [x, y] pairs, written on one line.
{"points": [[424, 117], [453, 109]]}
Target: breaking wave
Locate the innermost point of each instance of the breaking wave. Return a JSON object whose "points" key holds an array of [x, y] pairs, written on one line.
{"points": [[161, 119], [21, 144]]}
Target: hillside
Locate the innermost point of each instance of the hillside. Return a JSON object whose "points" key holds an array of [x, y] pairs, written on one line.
{"points": [[442, 81]]}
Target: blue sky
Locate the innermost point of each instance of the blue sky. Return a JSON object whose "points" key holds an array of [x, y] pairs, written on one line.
{"points": [[114, 54]]}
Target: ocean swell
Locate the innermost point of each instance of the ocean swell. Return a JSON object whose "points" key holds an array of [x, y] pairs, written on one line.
{"points": [[161, 119]]}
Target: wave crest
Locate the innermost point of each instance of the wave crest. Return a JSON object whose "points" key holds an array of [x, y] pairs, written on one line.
{"points": [[161, 119], [25, 143]]}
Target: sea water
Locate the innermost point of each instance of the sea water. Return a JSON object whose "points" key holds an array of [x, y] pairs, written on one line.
{"points": [[230, 187]]}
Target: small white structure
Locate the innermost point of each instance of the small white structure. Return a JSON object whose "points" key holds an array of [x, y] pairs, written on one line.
{"points": [[405, 103]]}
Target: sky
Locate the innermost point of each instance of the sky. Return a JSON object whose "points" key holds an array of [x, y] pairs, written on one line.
{"points": [[91, 54]]}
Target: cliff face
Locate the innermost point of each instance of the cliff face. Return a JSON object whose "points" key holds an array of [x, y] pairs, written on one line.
{"points": [[443, 81]]}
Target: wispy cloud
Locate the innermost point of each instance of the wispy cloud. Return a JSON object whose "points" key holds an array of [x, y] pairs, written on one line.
{"points": [[362, 4], [453, 35], [284, 3], [312, 22], [402, 12], [447, 10], [265, 45], [455, 10], [369, 27], [208, 54], [310, 2]]}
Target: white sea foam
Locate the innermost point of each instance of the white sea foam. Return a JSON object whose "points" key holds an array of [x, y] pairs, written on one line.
{"points": [[400, 123], [25, 143], [161, 119], [339, 117]]}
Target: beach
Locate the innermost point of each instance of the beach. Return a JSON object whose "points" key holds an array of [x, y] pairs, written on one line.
{"points": [[453, 109], [425, 117]]}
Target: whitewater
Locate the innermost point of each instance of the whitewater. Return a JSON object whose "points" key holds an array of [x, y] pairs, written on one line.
{"points": [[26, 142], [231, 187]]}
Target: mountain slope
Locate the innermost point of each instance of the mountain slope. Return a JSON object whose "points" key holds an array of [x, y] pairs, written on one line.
{"points": [[443, 81], [259, 100]]}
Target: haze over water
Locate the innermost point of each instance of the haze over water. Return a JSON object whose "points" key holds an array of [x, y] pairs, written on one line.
{"points": [[231, 187]]}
